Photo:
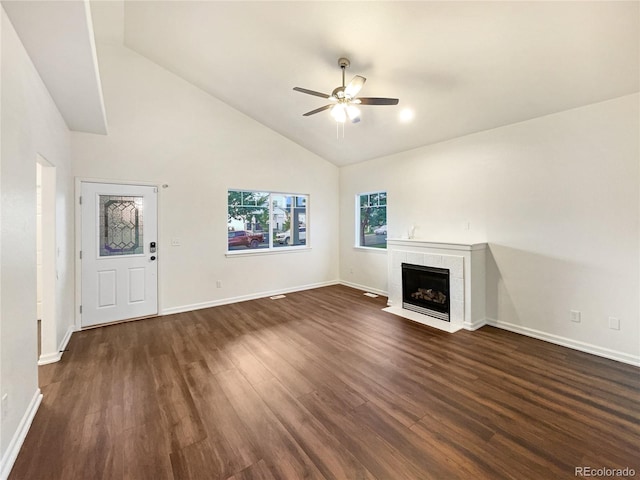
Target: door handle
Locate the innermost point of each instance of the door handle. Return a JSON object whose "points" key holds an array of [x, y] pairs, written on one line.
{"points": [[153, 257]]}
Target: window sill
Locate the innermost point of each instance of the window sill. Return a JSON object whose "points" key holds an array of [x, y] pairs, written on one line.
{"points": [[371, 249], [281, 250]]}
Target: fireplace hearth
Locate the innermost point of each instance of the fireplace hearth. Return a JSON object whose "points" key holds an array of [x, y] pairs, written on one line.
{"points": [[425, 290]]}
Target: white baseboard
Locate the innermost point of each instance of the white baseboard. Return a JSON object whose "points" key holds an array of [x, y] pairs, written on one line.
{"points": [[49, 358], [471, 326], [244, 298], [567, 342], [364, 288], [9, 458], [56, 356]]}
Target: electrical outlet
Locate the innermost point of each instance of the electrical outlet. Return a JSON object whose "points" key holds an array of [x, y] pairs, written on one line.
{"points": [[218, 283], [575, 315], [614, 323]]}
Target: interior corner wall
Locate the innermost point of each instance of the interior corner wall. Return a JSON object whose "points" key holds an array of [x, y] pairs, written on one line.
{"points": [[30, 125], [163, 130], [557, 200]]}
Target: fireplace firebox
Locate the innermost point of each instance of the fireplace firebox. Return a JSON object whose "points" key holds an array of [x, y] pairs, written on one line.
{"points": [[426, 290]]}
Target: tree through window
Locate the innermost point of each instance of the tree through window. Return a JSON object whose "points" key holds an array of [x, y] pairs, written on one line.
{"points": [[372, 220]]}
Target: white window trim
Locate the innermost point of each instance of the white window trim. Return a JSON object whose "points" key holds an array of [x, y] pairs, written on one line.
{"points": [[357, 246], [371, 249], [265, 251]]}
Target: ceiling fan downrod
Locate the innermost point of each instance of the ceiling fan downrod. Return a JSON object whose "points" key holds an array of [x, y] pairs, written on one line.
{"points": [[343, 63]]}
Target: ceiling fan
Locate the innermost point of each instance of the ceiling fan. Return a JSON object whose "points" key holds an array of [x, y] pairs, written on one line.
{"points": [[344, 98]]}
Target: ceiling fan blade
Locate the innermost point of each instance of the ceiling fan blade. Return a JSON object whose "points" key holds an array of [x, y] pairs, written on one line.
{"points": [[317, 110], [378, 101], [310, 92], [354, 86]]}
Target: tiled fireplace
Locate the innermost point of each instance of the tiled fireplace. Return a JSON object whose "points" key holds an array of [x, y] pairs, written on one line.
{"points": [[444, 283]]}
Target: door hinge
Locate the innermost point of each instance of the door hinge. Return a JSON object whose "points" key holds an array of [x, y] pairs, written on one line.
{"points": [[80, 199], [80, 308], [80, 254], [155, 189]]}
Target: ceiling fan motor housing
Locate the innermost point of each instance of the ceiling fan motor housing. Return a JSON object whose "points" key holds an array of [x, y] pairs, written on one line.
{"points": [[338, 92]]}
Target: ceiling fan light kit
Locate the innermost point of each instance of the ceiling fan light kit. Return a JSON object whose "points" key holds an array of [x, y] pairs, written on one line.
{"points": [[344, 98]]}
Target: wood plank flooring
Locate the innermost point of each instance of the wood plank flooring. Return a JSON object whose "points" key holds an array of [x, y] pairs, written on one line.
{"points": [[324, 385]]}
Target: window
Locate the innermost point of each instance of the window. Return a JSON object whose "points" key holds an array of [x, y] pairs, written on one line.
{"points": [[371, 218], [266, 220], [121, 226]]}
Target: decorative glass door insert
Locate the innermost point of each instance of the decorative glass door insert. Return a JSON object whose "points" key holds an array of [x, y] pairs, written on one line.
{"points": [[121, 225]]}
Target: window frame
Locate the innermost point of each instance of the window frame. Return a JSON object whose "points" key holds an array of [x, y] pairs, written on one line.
{"points": [[272, 247], [358, 219]]}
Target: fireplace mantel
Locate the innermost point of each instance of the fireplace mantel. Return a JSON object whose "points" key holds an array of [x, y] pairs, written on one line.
{"points": [[465, 247], [466, 264]]}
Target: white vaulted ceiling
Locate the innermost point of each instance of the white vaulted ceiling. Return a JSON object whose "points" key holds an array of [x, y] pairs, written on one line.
{"points": [[462, 67]]}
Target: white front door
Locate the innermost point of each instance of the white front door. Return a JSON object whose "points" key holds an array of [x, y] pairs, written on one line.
{"points": [[119, 252]]}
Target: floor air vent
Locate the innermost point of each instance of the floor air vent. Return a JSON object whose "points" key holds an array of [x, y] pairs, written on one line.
{"points": [[372, 295], [278, 297]]}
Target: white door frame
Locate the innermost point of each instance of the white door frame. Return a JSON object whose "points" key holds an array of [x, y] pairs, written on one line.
{"points": [[78, 239], [49, 324]]}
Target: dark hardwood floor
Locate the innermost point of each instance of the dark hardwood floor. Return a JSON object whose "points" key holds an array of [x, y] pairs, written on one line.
{"points": [[325, 385]]}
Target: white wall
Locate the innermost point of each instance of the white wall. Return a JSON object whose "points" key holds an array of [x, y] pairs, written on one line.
{"points": [[165, 131], [30, 125], [557, 200]]}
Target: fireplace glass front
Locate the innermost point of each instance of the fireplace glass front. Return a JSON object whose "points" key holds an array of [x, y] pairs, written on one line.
{"points": [[426, 290]]}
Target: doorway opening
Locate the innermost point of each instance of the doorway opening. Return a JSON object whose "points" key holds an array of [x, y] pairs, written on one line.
{"points": [[46, 254]]}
